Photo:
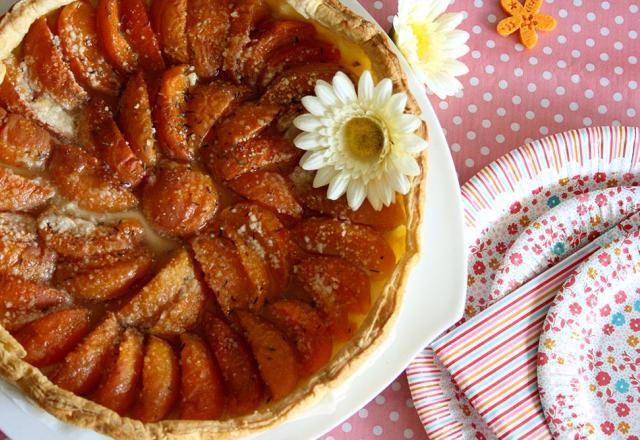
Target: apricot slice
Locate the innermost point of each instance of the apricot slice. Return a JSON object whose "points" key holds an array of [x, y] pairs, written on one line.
{"points": [[302, 325], [81, 45], [114, 43], [362, 245], [18, 294], [47, 68], [83, 368], [295, 83], [138, 32], [270, 190], [277, 360], [223, 271], [121, 385], [304, 52], [175, 281], [160, 382], [237, 365], [21, 252], [21, 193], [266, 40], [246, 122], [182, 315], [81, 178], [245, 16], [170, 22], [23, 143], [207, 28], [78, 238], [49, 339], [201, 383], [170, 113], [135, 119], [179, 200], [263, 152], [103, 277]]}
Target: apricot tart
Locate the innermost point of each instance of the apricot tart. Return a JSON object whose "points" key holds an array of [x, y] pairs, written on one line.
{"points": [[167, 266]]}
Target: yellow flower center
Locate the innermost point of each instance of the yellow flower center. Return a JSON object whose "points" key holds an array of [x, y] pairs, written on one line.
{"points": [[364, 138], [424, 40]]}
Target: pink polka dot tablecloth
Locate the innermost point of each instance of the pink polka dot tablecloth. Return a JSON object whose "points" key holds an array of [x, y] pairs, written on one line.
{"points": [[584, 73]]}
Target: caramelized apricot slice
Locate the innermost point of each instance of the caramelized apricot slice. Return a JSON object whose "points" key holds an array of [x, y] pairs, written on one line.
{"points": [[18, 294], [21, 193], [116, 47], [121, 385], [81, 178], [302, 325], [160, 381], [223, 271], [237, 365], [84, 367], [12, 95], [207, 28], [49, 339], [264, 152], [21, 252], [201, 384], [135, 120], [246, 122], [295, 83], [179, 200], [23, 143], [207, 104], [270, 190], [176, 280], [137, 29], [170, 113], [183, 314], [103, 277], [78, 238], [304, 52], [245, 16], [47, 68], [80, 42], [276, 358], [265, 41], [170, 18], [359, 244]]}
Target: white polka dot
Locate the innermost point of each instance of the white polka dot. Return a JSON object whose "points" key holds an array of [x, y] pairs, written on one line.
{"points": [[456, 148], [503, 84], [515, 126], [617, 97], [590, 42], [504, 57], [576, 28], [602, 109], [558, 118], [395, 386], [485, 151], [591, 16], [588, 94], [500, 139], [618, 45], [530, 115], [604, 56], [543, 130], [561, 64], [560, 91], [476, 29], [616, 123], [363, 413], [329, 437], [516, 99], [633, 35], [545, 103], [533, 61], [478, 3], [457, 120], [531, 87], [605, 5], [575, 53], [380, 400], [587, 122], [562, 39], [476, 54], [547, 50], [394, 416], [618, 70], [346, 427], [377, 430], [633, 8], [486, 123], [619, 19], [577, 2], [518, 71], [604, 82], [604, 31], [563, 13], [390, 19], [632, 60], [489, 69], [474, 81], [547, 75], [471, 135], [469, 163], [633, 85], [528, 140], [590, 67], [574, 106], [575, 78], [472, 108], [492, 18], [408, 433], [443, 105], [491, 44], [378, 5], [518, 47], [487, 96], [631, 112], [501, 111]]}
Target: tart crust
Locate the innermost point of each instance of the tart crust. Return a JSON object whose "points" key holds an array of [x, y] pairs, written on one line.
{"points": [[375, 329]]}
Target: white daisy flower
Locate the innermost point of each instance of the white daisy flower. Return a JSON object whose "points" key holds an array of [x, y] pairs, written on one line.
{"points": [[429, 40], [360, 143]]}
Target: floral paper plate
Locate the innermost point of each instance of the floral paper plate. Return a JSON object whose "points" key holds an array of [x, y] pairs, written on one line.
{"points": [[589, 352], [500, 203]]}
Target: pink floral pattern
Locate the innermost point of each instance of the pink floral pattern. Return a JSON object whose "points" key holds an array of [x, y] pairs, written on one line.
{"points": [[589, 352]]}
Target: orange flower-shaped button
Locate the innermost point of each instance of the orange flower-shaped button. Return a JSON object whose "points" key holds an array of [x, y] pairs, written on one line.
{"points": [[525, 19]]}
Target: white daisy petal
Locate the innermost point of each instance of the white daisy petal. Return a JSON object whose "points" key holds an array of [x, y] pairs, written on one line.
{"points": [[365, 87], [408, 123], [407, 165], [450, 21], [397, 104], [307, 122], [308, 141], [382, 92], [313, 105], [338, 186], [343, 88], [324, 92], [398, 182], [312, 160], [323, 177], [412, 143], [355, 195]]}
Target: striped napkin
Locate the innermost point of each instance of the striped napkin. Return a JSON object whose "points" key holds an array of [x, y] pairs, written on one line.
{"points": [[492, 357]]}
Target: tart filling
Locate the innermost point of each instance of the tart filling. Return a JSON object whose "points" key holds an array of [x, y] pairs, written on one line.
{"points": [[163, 256]]}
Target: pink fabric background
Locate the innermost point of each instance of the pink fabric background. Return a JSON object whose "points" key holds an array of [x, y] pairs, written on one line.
{"points": [[584, 73]]}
